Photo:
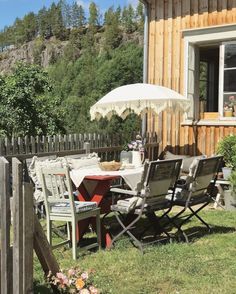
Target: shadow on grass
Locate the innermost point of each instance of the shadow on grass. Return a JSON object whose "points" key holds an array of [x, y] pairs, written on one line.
{"points": [[146, 232], [41, 289], [197, 232]]}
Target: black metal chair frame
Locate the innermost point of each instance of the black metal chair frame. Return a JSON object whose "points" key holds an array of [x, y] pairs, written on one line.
{"points": [[159, 180], [199, 192]]}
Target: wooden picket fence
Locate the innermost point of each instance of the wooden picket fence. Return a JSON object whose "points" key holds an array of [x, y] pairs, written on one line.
{"points": [[21, 232], [16, 199], [108, 147]]}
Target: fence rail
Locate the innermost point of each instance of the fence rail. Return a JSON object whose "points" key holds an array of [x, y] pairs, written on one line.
{"points": [[108, 147]]}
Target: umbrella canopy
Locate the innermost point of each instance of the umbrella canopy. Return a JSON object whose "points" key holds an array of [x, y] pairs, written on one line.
{"points": [[138, 98]]}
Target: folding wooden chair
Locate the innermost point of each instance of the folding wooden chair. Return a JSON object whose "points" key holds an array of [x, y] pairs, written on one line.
{"points": [[158, 181], [198, 192], [60, 206]]}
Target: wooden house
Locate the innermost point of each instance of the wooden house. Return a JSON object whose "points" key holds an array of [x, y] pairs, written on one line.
{"points": [[192, 49]]}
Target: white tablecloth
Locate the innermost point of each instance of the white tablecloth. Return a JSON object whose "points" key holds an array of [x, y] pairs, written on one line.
{"points": [[131, 176]]}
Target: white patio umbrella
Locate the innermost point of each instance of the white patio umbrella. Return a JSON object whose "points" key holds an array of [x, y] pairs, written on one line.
{"points": [[138, 98]]}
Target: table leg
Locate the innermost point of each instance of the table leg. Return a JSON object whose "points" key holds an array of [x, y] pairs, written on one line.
{"points": [[219, 196], [98, 195]]}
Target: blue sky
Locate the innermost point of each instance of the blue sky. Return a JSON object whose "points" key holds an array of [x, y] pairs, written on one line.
{"points": [[10, 9]]}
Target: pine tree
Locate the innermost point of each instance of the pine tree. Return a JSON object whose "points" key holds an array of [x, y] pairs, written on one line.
{"points": [[66, 13], [56, 21], [82, 18], [30, 26], [112, 31], [93, 15], [45, 29], [77, 16], [140, 17], [128, 19]]}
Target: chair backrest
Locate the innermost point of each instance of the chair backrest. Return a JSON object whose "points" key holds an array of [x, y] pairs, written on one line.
{"points": [[57, 188], [205, 172], [159, 178]]}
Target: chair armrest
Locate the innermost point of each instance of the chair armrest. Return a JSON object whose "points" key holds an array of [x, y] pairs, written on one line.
{"points": [[123, 191]]}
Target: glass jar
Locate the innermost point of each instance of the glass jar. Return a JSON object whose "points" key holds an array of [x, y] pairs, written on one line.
{"points": [[126, 157]]}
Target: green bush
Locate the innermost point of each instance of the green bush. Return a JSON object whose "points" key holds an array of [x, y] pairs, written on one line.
{"points": [[227, 148], [232, 180]]}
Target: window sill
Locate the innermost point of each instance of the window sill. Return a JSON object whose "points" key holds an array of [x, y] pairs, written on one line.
{"points": [[229, 121]]}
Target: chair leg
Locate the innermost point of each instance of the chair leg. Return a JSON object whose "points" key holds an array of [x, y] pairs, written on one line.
{"points": [[49, 231], [98, 227], [69, 234], [197, 216], [74, 240], [127, 230]]}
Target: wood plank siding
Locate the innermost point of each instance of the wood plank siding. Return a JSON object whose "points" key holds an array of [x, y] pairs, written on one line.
{"points": [[167, 20]]}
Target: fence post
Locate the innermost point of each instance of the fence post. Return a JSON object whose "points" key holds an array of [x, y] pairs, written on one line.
{"points": [[28, 237], [6, 254], [17, 209]]}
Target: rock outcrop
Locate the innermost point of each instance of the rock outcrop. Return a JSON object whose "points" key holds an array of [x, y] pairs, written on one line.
{"points": [[42, 52]]}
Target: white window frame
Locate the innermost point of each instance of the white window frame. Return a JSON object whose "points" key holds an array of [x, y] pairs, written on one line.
{"points": [[202, 36], [221, 79]]}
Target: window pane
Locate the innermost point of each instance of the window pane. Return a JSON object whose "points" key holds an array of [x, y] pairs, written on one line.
{"points": [[203, 90], [230, 55], [230, 104], [230, 80]]}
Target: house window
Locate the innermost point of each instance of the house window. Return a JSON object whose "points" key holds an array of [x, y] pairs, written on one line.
{"points": [[209, 79], [227, 94], [210, 72]]}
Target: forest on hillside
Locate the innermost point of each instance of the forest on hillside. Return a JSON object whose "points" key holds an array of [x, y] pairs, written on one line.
{"points": [[102, 52]]}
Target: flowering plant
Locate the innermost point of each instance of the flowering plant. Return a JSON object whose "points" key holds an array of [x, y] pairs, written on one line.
{"points": [[136, 145], [73, 281], [230, 104]]}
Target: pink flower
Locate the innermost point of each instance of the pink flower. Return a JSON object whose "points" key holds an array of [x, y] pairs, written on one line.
{"points": [[71, 272], [93, 290], [231, 98], [84, 275], [84, 291], [62, 279]]}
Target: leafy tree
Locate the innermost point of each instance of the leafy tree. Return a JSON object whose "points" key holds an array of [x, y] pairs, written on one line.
{"points": [[23, 95], [80, 77], [123, 67]]}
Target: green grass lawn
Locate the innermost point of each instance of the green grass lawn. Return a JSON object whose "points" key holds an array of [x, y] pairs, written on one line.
{"points": [[206, 265]]}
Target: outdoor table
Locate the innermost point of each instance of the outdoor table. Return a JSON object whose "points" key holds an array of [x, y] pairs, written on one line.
{"points": [[93, 185], [220, 183]]}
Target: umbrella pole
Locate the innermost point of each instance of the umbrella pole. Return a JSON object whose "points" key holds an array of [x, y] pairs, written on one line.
{"points": [[144, 125]]}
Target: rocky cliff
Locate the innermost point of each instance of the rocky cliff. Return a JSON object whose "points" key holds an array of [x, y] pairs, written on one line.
{"points": [[39, 51]]}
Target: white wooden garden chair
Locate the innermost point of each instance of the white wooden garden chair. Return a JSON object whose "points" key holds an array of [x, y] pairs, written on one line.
{"points": [[61, 206]]}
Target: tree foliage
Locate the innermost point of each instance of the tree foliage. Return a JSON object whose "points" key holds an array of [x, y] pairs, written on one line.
{"points": [[24, 105], [95, 61]]}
